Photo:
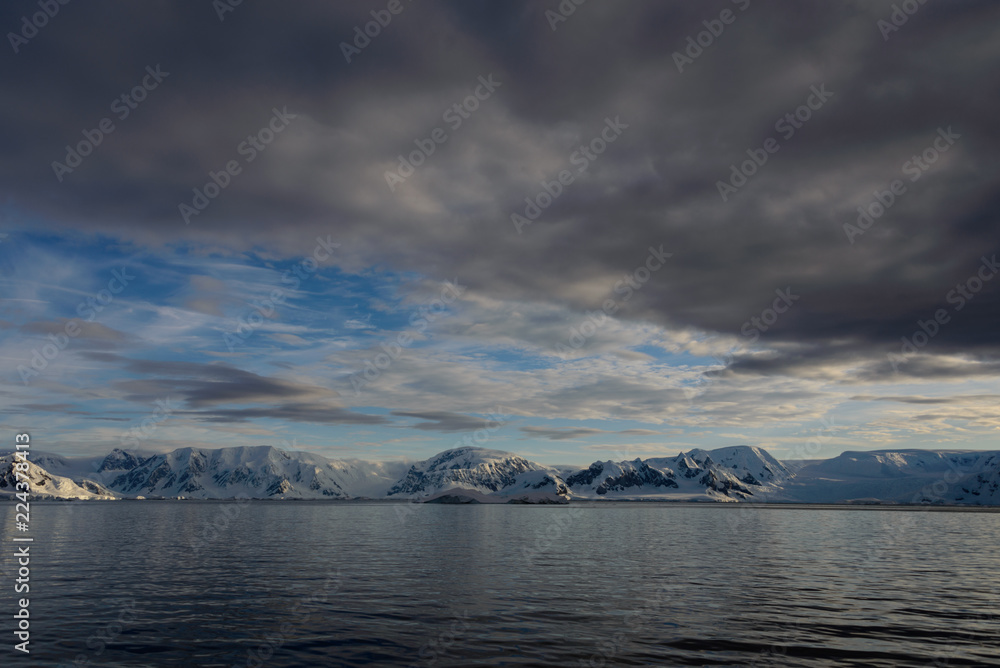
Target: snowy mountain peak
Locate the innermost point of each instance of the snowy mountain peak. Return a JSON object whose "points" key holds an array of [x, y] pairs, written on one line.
{"points": [[750, 462], [604, 477], [46, 485], [729, 474], [257, 471], [467, 457], [470, 474], [120, 460], [472, 468]]}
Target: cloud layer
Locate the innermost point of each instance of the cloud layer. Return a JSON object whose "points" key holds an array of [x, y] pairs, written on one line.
{"points": [[804, 113]]}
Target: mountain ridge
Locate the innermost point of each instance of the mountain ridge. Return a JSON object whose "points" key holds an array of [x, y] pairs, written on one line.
{"points": [[731, 474]]}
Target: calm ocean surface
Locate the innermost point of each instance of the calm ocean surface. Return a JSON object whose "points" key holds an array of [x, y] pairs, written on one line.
{"points": [[351, 584]]}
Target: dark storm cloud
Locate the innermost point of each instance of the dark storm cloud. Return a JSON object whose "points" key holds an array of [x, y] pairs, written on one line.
{"points": [[655, 185]]}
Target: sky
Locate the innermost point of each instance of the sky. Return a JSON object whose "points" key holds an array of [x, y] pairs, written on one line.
{"points": [[573, 232]]}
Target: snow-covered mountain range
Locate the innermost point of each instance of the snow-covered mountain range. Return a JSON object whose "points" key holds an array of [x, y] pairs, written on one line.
{"points": [[477, 475], [900, 476], [480, 475], [44, 484]]}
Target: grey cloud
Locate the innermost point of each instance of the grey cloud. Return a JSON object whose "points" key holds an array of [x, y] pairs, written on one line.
{"points": [[94, 332], [294, 412], [443, 420], [656, 184], [579, 432], [562, 434], [206, 387], [958, 399]]}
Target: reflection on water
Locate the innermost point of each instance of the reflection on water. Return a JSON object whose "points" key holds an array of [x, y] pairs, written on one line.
{"points": [[347, 584]]}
